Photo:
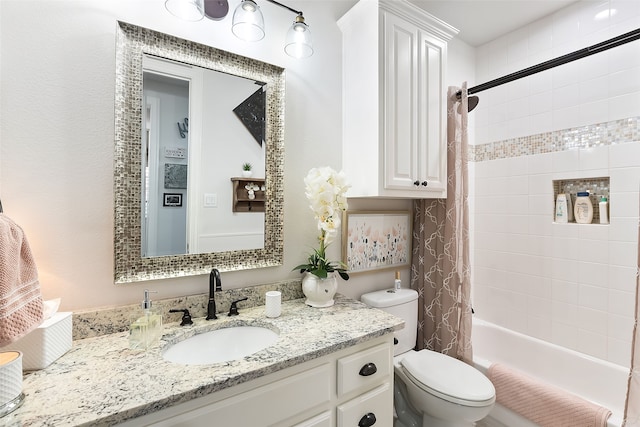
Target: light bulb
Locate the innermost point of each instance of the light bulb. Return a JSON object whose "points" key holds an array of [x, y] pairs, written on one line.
{"points": [[298, 41], [189, 10], [248, 22]]}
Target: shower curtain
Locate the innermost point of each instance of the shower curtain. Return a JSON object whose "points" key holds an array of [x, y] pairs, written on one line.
{"points": [[440, 266], [632, 405]]}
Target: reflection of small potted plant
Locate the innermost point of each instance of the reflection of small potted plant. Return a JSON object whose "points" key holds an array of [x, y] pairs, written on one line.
{"points": [[246, 170]]}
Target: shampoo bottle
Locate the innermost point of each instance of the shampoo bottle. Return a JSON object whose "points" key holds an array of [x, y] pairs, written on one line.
{"points": [[146, 325], [604, 210], [564, 210], [583, 209]]}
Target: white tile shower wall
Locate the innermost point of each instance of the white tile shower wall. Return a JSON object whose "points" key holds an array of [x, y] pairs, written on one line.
{"points": [[569, 284], [599, 88], [572, 285]]}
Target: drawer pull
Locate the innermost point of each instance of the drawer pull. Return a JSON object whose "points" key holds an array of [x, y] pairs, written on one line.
{"points": [[368, 369], [368, 420]]}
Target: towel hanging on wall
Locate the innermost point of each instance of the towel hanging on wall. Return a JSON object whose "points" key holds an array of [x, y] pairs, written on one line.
{"points": [[21, 308]]}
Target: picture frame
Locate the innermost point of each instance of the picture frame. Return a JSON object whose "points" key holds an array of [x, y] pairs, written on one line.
{"points": [[376, 240], [175, 176], [173, 200]]}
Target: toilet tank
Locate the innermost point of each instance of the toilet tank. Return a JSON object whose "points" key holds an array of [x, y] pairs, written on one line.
{"points": [[402, 303]]}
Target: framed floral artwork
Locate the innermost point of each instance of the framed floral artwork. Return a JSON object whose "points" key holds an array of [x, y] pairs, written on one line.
{"points": [[376, 240]]}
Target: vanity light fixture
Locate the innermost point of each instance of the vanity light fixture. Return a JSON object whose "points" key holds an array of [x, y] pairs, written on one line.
{"points": [[248, 22], [189, 10], [298, 41]]}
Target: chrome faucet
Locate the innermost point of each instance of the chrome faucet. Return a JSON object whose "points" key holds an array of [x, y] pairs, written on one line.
{"points": [[215, 285]]}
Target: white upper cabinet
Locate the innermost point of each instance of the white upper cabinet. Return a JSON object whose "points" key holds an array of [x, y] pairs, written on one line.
{"points": [[394, 100]]}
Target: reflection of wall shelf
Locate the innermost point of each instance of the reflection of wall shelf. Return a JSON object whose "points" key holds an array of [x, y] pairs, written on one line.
{"points": [[241, 200], [597, 187]]}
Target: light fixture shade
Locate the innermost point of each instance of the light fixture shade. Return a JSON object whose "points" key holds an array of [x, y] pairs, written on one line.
{"points": [[248, 23], [189, 10], [298, 41]]}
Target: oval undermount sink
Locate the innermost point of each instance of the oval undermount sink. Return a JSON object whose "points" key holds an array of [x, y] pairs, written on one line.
{"points": [[220, 345]]}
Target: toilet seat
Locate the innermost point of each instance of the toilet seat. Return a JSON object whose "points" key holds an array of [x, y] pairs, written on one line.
{"points": [[448, 378]]}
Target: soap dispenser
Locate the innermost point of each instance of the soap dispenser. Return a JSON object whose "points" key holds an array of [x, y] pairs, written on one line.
{"points": [[397, 284], [146, 325]]}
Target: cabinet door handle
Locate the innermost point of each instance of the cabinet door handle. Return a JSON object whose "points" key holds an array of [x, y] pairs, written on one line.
{"points": [[368, 369], [416, 183], [368, 420], [424, 183]]}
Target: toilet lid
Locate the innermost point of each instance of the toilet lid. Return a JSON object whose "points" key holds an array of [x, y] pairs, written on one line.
{"points": [[448, 378]]}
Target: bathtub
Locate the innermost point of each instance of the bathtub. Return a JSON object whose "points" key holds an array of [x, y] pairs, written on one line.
{"points": [[601, 382]]}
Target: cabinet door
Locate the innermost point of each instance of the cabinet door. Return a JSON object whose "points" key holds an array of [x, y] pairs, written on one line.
{"points": [[400, 102], [323, 420], [375, 405], [414, 116], [432, 113], [265, 405]]}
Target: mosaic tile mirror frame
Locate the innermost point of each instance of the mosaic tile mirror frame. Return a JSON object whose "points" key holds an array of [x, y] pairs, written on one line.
{"points": [[131, 43]]}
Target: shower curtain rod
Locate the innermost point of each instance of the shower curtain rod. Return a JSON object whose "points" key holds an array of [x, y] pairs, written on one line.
{"points": [[564, 59]]}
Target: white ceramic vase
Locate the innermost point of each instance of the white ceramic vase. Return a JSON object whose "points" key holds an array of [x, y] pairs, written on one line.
{"points": [[319, 292]]}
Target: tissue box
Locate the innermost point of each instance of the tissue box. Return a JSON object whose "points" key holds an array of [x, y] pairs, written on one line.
{"points": [[46, 343]]}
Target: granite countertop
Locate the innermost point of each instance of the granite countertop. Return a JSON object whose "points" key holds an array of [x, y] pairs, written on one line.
{"points": [[100, 381]]}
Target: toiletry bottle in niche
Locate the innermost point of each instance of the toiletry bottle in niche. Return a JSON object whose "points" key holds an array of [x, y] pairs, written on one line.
{"points": [[146, 325], [603, 207], [564, 210], [583, 209]]}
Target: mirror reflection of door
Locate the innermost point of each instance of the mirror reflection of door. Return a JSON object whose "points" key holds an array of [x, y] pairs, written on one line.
{"points": [[200, 128], [165, 163]]}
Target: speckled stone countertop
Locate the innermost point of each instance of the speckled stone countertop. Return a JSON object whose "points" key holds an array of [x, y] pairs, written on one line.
{"points": [[100, 381]]}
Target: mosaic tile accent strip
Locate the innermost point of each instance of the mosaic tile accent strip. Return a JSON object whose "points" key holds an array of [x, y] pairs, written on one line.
{"points": [[93, 323], [599, 134], [132, 43]]}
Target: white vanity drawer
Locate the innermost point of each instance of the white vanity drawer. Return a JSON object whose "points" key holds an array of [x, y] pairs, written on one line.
{"points": [[365, 369], [375, 405]]}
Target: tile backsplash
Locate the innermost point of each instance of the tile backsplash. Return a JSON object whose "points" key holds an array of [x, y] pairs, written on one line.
{"points": [[92, 323]]}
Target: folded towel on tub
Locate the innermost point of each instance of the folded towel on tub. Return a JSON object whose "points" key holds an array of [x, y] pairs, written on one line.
{"points": [[21, 308], [542, 403]]}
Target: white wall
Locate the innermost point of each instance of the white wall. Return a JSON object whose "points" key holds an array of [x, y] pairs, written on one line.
{"points": [[227, 145], [569, 284], [57, 131]]}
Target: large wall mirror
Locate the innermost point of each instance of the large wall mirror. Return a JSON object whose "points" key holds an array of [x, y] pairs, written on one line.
{"points": [[188, 118]]}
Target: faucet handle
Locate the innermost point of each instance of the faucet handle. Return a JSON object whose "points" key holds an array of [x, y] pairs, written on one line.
{"points": [[186, 316], [233, 310]]}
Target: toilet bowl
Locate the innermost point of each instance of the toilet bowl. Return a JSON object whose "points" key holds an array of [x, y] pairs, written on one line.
{"points": [[431, 389], [444, 390]]}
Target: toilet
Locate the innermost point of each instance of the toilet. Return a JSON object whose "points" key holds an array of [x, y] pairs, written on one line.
{"points": [[431, 389]]}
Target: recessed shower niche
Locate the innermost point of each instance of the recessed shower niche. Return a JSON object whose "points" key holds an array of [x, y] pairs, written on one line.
{"points": [[596, 187]]}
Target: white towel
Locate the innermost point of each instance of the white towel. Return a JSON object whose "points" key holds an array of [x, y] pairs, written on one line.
{"points": [[21, 308]]}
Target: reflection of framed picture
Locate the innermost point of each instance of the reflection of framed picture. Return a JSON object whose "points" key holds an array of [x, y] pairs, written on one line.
{"points": [[376, 240], [172, 199], [175, 175]]}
